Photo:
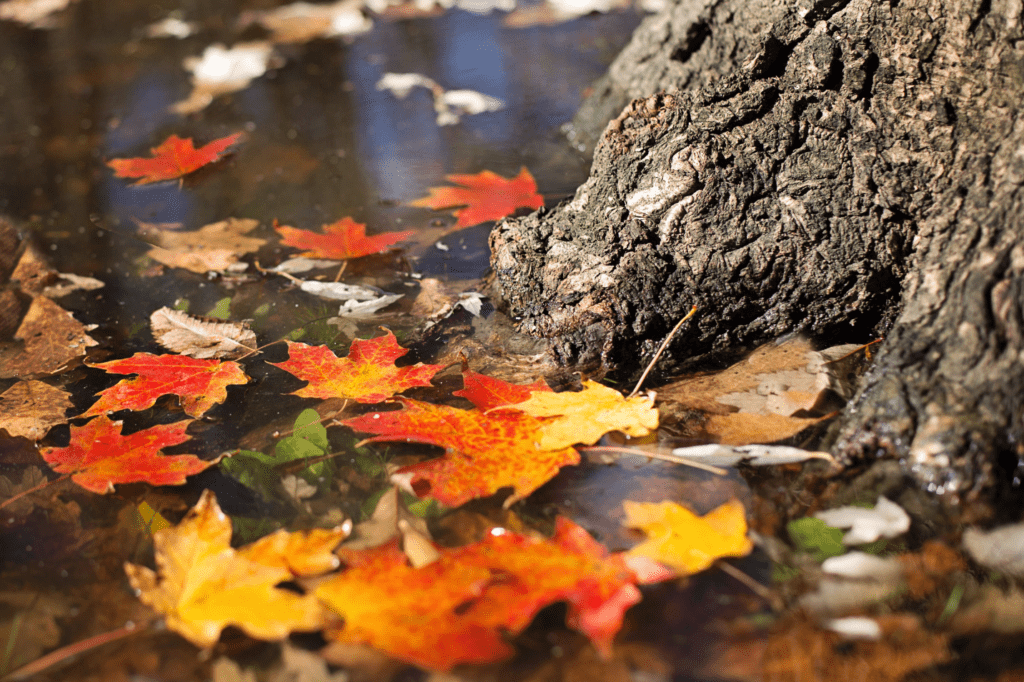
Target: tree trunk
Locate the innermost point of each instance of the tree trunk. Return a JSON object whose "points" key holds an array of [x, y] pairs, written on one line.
{"points": [[837, 167]]}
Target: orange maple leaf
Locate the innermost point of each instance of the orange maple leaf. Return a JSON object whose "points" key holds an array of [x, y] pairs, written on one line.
{"points": [[455, 609], [200, 384], [342, 240], [484, 451], [173, 158], [99, 456], [488, 393], [486, 196], [367, 374], [203, 585]]}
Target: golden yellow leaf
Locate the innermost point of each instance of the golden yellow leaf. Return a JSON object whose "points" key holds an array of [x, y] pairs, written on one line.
{"points": [[585, 416], [684, 541], [203, 585]]}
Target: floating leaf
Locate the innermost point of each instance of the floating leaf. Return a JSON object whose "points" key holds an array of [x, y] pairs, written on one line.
{"points": [[99, 456], [215, 247], [341, 240], [367, 374], [30, 408], [221, 70], [201, 338], [585, 416], [484, 451], [172, 159], [53, 340], [456, 608], [203, 585], [199, 384], [688, 543], [486, 196]]}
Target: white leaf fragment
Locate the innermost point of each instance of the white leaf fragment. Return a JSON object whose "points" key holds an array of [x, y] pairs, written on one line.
{"points": [[200, 338], [756, 455], [34, 13], [294, 266], [855, 627], [221, 70], [355, 308], [171, 27], [862, 566], [450, 105], [886, 520], [1001, 549], [340, 291]]}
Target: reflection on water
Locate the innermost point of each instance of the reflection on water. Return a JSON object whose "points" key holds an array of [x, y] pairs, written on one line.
{"points": [[321, 142]]}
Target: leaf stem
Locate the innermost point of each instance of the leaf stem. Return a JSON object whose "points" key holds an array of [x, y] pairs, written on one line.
{"points": [[675, 459], [55, 657], [661, 349], [31, 490]]}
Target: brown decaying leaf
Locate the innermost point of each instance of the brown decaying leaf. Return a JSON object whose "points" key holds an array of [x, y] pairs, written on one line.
{"points": [[30, 619], [52, 338], [31, 477], [755, 400], [301, 22], [383, 523], [30, 408], [213, 247], [199, 337]]}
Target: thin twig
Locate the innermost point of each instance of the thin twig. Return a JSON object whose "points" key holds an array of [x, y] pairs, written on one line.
{"points": [[675, 459], [754, 586], [54, 657], [344, 264], [31, 490], [661, 349]]}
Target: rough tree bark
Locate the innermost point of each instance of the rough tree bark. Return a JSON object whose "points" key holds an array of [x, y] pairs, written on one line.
{"points": [[840, 167]]}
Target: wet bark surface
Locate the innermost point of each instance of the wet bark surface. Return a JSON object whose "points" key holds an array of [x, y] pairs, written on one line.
{"points": [[845, 169]]}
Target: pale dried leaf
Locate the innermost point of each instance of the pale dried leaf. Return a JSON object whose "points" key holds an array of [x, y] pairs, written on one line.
{"points": [[29, 408], [53, 340], [339, 291], [294, 266], [886, 520], [755, 455], [214, 247], [383, 523], [30, 478], [366, 308], [221, 70], [301, 22], [449, 105], [1001, 549], [34, 13], [171, 27], [199, 337]]}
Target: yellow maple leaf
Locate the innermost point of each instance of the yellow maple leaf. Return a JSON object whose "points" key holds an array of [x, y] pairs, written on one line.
{"points": [[684, 541], [203, 585], [585, 416]]}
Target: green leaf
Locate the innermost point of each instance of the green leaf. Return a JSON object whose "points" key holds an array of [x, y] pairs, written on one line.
{"points": [[812, 536], [221, 310]]}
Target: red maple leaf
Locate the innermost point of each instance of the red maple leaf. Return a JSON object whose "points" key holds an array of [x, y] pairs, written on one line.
{"points": [[200, 384], [484, 451], [99, 456], [367, 374], [173, 158], [342, 240], [488, 393], [486, 196], [456, 609]]}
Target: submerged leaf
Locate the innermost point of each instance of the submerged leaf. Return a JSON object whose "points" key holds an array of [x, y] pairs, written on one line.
{"points": [[688, 543]]}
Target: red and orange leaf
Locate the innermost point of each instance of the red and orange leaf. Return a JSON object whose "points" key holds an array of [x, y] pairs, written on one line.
{"points": [[411, 613], [172, 159], [488, 393], [486, 196], [484, 452], [367, 374], [341, 240], [199, 384], [455, 609], [99, 456], [203, 585]]}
